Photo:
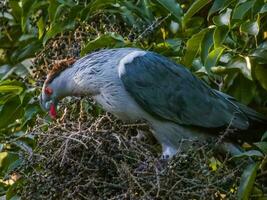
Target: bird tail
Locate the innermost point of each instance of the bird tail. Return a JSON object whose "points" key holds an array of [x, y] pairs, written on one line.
{"points": [[258, 124], [253, 115]]}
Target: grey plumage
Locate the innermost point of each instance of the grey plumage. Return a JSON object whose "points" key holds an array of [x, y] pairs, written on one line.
{"points": [[138, 85]]}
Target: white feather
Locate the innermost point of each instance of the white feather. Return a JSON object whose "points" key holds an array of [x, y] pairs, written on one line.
{"points": [[128, 59]]}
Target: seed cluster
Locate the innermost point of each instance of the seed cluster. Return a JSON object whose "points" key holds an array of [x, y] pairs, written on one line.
{"points": [[86, 156]]}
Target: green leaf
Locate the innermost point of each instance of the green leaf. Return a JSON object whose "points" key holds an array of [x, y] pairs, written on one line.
{"points": [[213, 58], [173, 7], [106, 40], [11, 193], [264, 8], [251, 28], [242, 89], [52, 8], [260, 72], [222, 70], [11, 111], [58, 28], [262, 146], [10, 88], [26, 37], [26, 11], [29, 7], [59, 12], [27, 51], [94, 7], [260, 54], [218, 5], [223, 19], [249, 154], [15, 9], [247, 181], [41, 27], [264, 137], [219, 36], [243, 65], [194, 8], [8, 161], [206, 45], [242, 8], [30, 112], [193, 46]]}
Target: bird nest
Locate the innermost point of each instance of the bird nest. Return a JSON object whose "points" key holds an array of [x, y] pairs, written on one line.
{"points": [[88, 154]]}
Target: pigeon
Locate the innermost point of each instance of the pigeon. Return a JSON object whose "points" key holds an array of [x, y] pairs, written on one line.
{"points": [[134, 84]]}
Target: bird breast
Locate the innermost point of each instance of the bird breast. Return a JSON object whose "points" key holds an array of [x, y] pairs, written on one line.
{"points": [[115, 99]]}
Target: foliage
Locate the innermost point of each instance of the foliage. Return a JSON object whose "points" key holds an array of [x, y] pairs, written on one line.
{"points": [[221, 41]]}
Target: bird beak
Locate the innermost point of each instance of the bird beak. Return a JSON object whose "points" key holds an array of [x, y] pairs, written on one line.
{"points": [[49, 106], [53, 111]]}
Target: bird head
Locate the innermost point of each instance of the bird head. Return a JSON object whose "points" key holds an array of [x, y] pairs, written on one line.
{"points": [[53, 88], [48, 100]]}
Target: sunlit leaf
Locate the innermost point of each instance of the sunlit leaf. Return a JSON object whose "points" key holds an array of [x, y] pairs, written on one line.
{"points": [[251, 28], [223, 19], [41, 27], [243, 65], [247, 181], [213, 58], [10, 88]]}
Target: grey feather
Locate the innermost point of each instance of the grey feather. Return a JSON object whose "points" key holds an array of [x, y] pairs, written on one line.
{"points": [[170, 92]]}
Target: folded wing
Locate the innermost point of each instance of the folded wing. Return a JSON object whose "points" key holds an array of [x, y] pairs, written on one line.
{"points": [[169, 91]]}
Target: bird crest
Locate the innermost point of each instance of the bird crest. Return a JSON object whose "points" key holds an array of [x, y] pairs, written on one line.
{"points": [[58, 67]]}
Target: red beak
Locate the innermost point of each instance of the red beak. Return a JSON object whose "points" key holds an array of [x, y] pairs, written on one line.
{"points": [[52, 111]]}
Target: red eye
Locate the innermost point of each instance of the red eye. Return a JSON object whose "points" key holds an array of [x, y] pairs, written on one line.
{"points": [[48, 91]]}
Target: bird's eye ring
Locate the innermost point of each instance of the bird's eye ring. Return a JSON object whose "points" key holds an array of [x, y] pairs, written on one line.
{"points": [[48, 91]]}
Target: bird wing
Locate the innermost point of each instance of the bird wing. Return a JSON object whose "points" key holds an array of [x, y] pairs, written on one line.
{"points": [[169, 91]]}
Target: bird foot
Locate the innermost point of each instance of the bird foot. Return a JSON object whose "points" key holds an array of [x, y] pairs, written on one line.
{"points": [[168, 152]]}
